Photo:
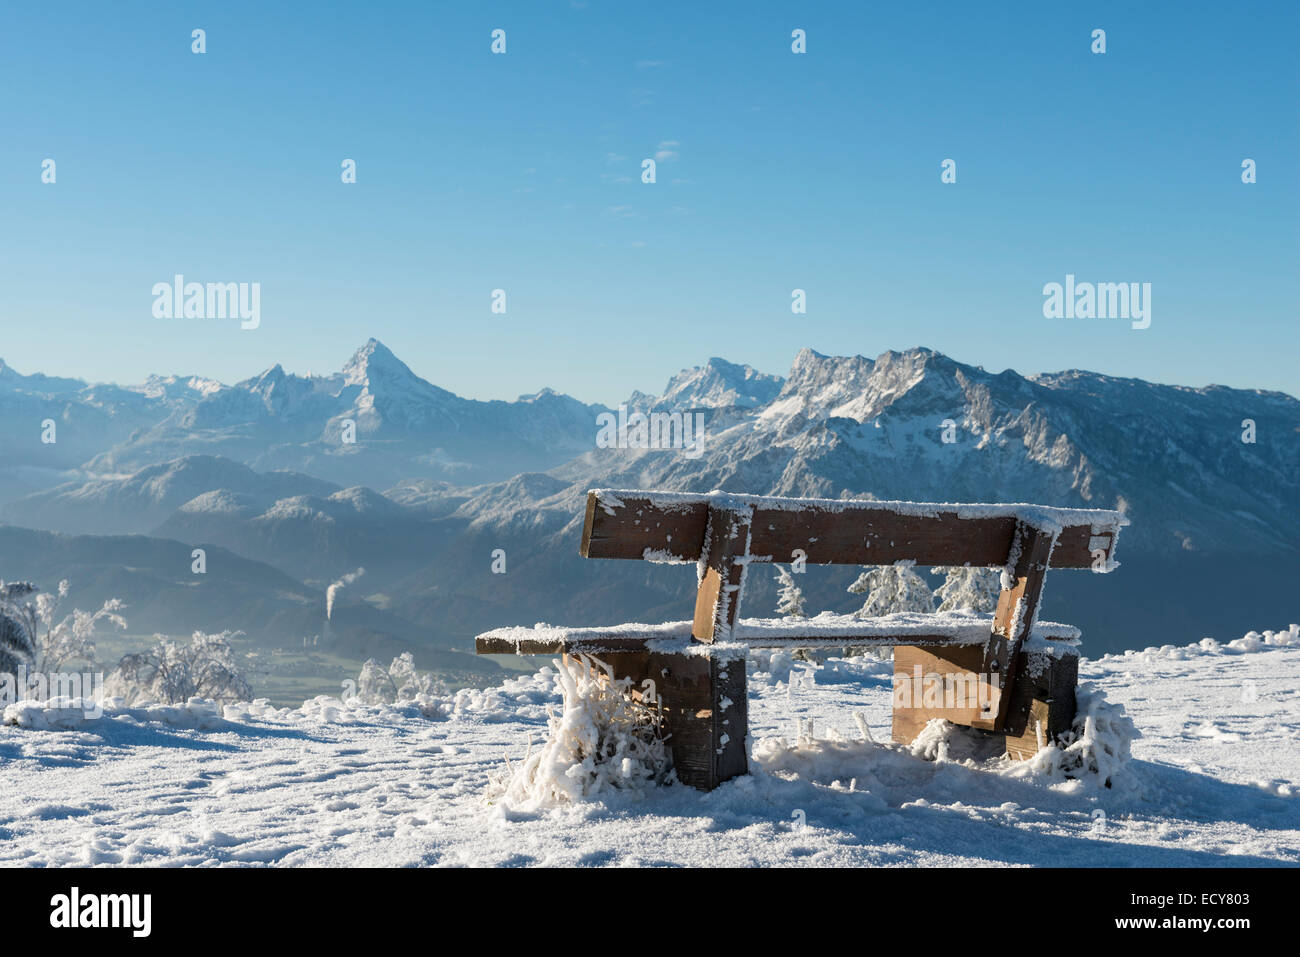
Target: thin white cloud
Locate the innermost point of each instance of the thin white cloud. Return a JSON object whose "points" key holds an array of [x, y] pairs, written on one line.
{"points": [[667, 152]]}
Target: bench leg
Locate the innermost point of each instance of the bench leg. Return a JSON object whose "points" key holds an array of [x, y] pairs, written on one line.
{"points": [[705, 710], [1042, 703], [946, 683]]}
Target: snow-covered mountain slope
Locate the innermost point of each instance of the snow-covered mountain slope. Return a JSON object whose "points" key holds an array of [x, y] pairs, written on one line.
{"points": [[87, 420], [1214, 781], [139, 502], [315, 537]]}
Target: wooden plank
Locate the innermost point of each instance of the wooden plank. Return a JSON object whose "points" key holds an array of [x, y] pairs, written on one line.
{"points": [[681, 685], [1076, 543], [955, 667], [1014, 619], [881, 537], [729, 702], [859, 533], [627, 530], [717, 602]]}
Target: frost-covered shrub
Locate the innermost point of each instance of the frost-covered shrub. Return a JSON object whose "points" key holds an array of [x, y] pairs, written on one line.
{"points": [[967, 588], [172, 673], [604, 740], [1097, 746], [397, 684]]}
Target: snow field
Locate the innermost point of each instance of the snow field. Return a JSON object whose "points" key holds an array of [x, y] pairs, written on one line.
{"points": [[1213, 779]]}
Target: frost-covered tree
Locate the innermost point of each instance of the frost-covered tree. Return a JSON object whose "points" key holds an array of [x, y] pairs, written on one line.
{"points": [[892, 588], [397, 683], [18, 627], [967, 588], [790, 599], [72, 637], [54, 641], [172, 673]]}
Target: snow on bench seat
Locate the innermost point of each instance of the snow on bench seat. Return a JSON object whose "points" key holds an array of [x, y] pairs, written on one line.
{"points": [[824, 630]]}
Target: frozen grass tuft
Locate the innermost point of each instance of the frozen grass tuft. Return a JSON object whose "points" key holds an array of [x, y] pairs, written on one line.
{"points": [[1095, 750], [604, 740]]}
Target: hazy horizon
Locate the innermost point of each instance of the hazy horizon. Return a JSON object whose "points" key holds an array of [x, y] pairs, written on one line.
{"points": [[508, 396]]}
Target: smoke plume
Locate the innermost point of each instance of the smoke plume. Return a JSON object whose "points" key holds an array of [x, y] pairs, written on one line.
{"points": [[334, 589]]}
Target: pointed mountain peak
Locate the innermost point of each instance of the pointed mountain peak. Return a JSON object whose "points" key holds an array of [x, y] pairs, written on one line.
{"points": [[267, 382], [372, 347], [374, 360], [390, 390]]}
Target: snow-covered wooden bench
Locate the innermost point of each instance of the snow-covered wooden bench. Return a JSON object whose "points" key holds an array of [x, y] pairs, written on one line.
{"points": [[1016, 675]]}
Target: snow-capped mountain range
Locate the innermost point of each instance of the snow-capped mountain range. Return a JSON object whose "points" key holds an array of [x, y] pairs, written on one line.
{"points": [[404, 426], [261, 468]]}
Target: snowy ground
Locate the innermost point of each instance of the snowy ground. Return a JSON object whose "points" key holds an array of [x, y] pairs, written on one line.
{"points": [[1215, 779]]}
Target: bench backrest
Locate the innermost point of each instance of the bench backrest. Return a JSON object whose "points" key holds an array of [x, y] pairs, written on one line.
{"points": [[671, 526]]}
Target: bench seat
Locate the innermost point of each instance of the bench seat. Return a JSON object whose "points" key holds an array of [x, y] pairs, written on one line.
{"points": [[823, 631]]}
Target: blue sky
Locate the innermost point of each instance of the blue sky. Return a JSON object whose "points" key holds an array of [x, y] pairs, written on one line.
{"points": [[818, 171]]}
